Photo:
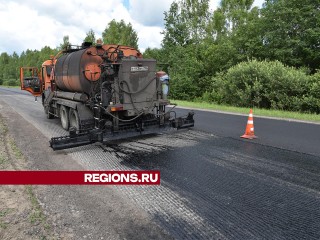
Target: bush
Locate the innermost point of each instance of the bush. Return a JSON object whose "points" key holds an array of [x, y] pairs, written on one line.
{"points": [[1, 82], [185, 71], [11, 82], [267, 85]]}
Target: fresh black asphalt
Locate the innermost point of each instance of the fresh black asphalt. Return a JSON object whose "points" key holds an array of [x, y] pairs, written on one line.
{"points": [[286, 134]]}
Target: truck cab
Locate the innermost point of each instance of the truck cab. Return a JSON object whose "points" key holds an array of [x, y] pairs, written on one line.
{"points": [[31, 81], [35, 81]]}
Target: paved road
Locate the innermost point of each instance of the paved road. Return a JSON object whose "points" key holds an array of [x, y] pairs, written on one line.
{"points": [[214, 185], [296, 136]]}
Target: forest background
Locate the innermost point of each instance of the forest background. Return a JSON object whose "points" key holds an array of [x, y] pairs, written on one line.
{"points": [[237, 55]]}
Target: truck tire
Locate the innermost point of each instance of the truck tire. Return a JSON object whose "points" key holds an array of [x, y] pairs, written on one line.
{"points": [[48, 112], [64, 117], [74, 121]]}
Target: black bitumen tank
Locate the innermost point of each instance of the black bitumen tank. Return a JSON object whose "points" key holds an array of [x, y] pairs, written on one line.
{"points": [[78, 70]]}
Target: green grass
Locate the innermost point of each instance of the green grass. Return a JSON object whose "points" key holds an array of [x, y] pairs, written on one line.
{"points": [[3, 132], [10, 82], [3, 225], [256, 111], [36, 215], [15, 149], [18, 86], [4, 213], [13, 86], [3, 160]]}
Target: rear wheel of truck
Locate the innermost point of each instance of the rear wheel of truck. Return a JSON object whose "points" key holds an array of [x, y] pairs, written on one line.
{"points": [[74, 119], [64, 117]]}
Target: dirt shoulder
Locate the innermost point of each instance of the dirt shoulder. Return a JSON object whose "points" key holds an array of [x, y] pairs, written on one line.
{"points": [[21, 216], [66, 212]]}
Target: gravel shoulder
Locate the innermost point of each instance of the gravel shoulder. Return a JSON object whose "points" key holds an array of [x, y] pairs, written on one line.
{"points": [[67, 212], [21, 216]]}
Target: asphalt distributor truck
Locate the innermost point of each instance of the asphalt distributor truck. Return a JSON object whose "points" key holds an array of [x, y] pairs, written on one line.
{"points": [[101, 93]]}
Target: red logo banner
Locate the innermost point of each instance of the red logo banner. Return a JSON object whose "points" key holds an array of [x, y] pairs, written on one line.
{"points": [[80, 177]]}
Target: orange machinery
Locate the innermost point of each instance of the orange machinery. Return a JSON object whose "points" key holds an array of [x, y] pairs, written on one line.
{"points": [[99, 92]]}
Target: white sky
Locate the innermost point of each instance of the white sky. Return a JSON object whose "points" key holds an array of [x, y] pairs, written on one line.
{"points": [[33, 24]]}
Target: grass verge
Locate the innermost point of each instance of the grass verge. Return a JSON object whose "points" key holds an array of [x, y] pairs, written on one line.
{"points": [[3, 213], [15, 149], [3, 160], [17, 202], [36, 215], [6, 86], [257, 111]]}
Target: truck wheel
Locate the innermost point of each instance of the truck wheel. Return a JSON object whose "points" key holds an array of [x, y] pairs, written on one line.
{"points": [[74, 119], [64, 117], [48, 112]]}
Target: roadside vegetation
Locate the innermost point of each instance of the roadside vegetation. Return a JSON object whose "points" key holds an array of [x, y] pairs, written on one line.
{"points": [[10, 82], [244, 110], [243, 56], [237, 55]]}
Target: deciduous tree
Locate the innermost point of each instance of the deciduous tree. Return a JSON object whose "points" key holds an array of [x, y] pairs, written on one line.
{"points": [[90, 37], [120, 33], [291, 31]]}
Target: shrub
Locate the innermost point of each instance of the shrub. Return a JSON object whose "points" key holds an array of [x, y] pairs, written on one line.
{"points": [[185, 72], [267, 85], [11, 82]]}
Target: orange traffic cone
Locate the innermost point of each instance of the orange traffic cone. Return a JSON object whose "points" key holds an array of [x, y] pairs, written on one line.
{"points": [[249, 134]]}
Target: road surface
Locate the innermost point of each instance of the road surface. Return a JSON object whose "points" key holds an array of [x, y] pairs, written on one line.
{"points": [[214, 185]]}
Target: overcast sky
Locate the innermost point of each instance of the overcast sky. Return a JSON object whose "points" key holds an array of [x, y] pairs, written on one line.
{"points": [[33, 24]]}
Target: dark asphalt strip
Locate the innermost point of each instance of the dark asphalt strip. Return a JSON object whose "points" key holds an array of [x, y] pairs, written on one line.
{"points": [[295, 136], [244, 190]]}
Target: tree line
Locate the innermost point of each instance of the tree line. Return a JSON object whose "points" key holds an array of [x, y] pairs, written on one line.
{"points": [[237, 54], [243, 55], [115, 33]]}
